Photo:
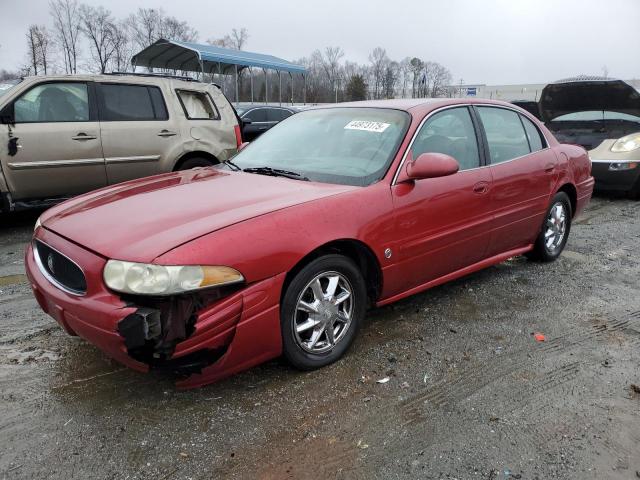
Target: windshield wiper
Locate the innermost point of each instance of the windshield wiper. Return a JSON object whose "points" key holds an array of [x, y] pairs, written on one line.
{"points": [[275, 172], [233, 165]]}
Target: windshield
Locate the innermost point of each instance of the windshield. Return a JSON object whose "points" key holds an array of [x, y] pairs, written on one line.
{"points": [[349, 146], [6, 85], [592, 115]]}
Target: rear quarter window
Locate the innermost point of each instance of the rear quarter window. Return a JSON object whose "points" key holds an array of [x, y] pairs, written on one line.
{"points": [[198, 105]]}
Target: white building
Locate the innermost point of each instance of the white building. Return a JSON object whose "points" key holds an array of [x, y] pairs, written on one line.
{"points": [[509, 93]]}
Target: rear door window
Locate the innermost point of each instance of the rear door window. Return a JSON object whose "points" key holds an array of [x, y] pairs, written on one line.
{"points": [[197, 105], [256, 115], [278, 114], [505, 134], [53, 102], [533, 134], [450, 132], [120, 102]]}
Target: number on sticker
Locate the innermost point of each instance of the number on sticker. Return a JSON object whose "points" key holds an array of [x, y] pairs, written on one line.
{"points": [[367, 126]]}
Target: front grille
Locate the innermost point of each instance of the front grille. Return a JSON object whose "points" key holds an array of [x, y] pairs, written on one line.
{"points": [[59, 269]]}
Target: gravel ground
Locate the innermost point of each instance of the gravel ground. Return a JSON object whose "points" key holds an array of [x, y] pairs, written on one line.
{"points": [[471, 394]]}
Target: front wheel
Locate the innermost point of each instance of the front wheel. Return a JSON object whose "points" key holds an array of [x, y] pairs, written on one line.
{"points": [[555, 230], [321, 311]]}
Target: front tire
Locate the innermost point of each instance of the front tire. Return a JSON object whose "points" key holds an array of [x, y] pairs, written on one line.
{"points": [[321, 311], [555, 230]]}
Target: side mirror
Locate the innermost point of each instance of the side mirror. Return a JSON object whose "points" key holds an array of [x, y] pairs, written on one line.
{"points": [[243, 145], [429, 165], [246, 121]]}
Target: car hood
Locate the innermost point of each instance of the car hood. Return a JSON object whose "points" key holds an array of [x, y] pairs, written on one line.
{"points": [[563, 97], [142, 219]]}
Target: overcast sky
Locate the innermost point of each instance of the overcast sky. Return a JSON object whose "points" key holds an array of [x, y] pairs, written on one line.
{"points": [[480, 41]]}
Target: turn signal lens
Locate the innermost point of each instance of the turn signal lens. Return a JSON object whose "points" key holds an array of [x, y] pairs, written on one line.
{"points": [[151, 279], [620, 166], [627, 144]]}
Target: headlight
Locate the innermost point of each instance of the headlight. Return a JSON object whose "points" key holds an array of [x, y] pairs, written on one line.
{"points": [[35, 227], [150, 279], [627, 144]]}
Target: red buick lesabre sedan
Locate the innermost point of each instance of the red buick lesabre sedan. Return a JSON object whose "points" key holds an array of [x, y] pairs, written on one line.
{"points": [[282, 249]]}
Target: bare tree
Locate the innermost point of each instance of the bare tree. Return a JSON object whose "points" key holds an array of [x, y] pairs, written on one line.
{"points": [[38, 45], [331, 65], [440, 79], [404, 69], [378, 59], [98, 26], [146, 26], [173, 29], [122, 46], [66, 24], [236, 40]]}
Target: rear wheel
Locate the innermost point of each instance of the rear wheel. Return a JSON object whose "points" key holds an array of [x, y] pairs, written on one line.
{"points": [[195, 162], [321, 311], [555, 230]]}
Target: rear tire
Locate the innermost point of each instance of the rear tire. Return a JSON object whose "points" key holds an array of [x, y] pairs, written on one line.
{"points": [[554, 232], [195, 162], [321, 311]]}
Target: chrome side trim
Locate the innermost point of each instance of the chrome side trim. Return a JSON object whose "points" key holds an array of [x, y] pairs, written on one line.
{"points": [[45, 274], [614, 161], [56, 163], [447, 107], [141, 158]]}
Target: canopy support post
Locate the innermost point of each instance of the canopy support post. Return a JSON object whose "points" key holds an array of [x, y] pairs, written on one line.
{"points": [[266, 86], [201, 69], [291, 83], [304, 91], [237, 99], [251, 79], [280, 87], [220, 77]]}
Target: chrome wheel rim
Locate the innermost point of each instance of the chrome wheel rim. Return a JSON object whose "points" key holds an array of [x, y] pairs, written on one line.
{"points": [[555, 227], [323, 312]]}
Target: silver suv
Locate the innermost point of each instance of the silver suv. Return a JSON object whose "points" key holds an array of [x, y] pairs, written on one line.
{"points": [[65, 135]]}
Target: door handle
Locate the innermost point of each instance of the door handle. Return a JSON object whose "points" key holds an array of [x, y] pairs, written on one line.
{"points": [[262, 128], [550, 167], [481, 188], [166, 133], [84, 136]]}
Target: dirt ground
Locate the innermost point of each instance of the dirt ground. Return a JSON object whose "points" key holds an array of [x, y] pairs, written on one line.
{"points": [[471, 394]]}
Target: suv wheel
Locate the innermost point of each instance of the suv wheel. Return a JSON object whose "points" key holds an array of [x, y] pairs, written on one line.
{"points": [[195, 162]]}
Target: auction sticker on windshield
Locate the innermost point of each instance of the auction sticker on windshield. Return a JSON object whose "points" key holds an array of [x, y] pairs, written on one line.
{"points": [[367, 126]]}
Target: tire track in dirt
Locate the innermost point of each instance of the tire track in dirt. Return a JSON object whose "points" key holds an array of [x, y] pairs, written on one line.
{"points": [[451, 392]]}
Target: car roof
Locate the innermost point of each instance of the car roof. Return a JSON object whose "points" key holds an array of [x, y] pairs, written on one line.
{"points": [[121, 78], [418, 105]]}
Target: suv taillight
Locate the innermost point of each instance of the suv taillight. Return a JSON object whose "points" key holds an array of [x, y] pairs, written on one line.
{"points": [[238, 135]]}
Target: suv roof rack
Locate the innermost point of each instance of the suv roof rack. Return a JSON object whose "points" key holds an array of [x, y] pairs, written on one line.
{"points": [[151, 74]]}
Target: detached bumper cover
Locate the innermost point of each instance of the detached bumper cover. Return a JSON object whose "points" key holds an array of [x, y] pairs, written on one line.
{"points": [[246, 324]]}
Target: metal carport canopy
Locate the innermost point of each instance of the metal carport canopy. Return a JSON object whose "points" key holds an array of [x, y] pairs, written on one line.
{"points": [[195, 57]]}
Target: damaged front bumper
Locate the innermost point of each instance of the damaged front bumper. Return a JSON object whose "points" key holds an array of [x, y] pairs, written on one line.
{"points": [[205, 338]]}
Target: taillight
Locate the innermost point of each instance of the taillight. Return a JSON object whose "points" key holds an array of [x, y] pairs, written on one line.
{"points": [[238, 135]]}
